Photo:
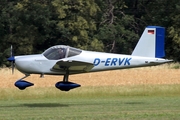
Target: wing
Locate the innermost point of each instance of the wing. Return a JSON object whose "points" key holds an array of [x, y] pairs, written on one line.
{"points": [[73, 65]]}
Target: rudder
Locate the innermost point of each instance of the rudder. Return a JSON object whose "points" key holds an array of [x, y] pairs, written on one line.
{"points": [[151, 43]]}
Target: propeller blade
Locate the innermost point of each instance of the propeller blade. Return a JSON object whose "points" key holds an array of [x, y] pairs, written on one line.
{"points": [[12, 64], [12, 59]]}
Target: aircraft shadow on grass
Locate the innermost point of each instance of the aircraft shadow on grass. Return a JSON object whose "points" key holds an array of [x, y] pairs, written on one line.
{"points": [[134, 103], [44, 105], [37, 105], [41, 105]]}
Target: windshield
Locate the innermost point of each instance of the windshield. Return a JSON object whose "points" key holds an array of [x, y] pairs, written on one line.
{"points": [[55, 52], [61, 51]]}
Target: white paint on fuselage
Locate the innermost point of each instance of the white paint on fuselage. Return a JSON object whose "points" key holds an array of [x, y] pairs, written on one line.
{"points": [[38, 64]]}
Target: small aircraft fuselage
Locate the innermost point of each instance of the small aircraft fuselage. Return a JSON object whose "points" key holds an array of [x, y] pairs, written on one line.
{"points": [[65, 60], [39, 64]]}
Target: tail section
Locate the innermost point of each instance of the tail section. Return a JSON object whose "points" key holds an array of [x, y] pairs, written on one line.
{"points": [[151, 43]]}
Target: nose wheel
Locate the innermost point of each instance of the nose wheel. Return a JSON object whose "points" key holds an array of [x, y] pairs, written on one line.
{"points": [[22, 84]]}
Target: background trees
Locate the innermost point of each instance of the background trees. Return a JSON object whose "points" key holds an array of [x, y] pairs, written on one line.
{"points": [[115, 26]]}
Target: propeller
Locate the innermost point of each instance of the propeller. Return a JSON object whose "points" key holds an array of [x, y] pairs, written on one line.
{"points": [[12, 59]]}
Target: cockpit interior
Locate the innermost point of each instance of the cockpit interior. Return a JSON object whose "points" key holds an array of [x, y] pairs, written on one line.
{"points": [[61, 51]]}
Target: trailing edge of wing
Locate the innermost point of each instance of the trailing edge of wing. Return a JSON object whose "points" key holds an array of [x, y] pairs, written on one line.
{"points": [[73, 65]]}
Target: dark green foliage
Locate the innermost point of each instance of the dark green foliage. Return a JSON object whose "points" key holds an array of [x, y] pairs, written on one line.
{"points": [[115, 26]]}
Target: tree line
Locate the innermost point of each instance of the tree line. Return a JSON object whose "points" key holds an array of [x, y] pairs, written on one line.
{"points": [[115, 26]]}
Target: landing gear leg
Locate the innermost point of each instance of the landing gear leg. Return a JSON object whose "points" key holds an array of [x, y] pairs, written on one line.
{"points": [[26, 75], [65, 85], [66, 76]]}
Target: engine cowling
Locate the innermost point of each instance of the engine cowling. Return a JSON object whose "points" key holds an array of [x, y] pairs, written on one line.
{"points": [[22, 84], [66, 86]]}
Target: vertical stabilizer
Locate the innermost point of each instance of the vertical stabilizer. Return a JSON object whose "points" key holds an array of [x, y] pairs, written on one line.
{"points": [[151, 43]]}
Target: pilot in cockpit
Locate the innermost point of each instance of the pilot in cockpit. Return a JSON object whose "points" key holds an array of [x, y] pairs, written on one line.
{"points": [[61, 52]]}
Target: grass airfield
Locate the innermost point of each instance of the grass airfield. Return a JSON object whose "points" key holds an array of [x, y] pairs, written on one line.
{"points": [[143, 94]]}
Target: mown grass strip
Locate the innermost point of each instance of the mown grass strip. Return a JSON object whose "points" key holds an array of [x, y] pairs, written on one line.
{"points": [[88, 108], [111, 102]]}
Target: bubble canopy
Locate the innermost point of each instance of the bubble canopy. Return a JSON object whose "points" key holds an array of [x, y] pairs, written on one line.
{"points": [[60, 51]]}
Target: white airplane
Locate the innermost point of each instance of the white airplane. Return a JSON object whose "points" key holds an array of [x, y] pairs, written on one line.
{"points": [[65, 60]]}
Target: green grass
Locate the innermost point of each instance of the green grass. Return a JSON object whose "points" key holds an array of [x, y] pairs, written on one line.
{"points": [[145, 102]]}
